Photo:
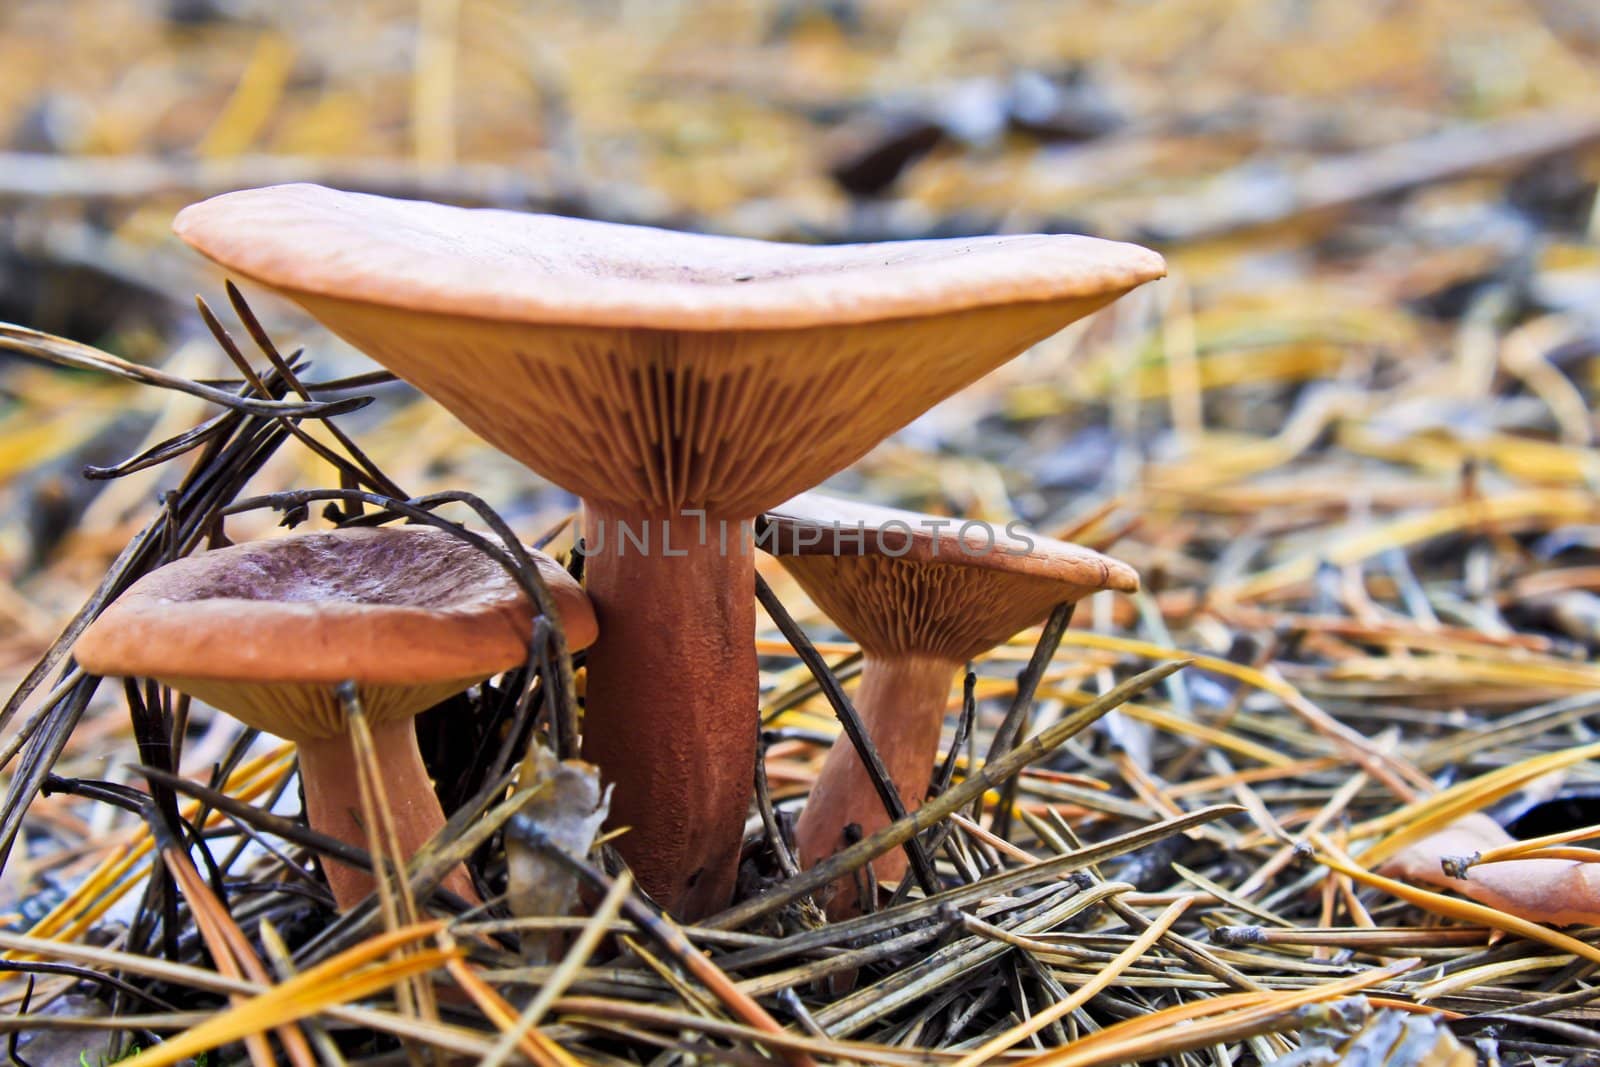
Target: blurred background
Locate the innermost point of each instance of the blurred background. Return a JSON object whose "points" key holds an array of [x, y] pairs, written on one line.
{"points": [[1375, 353]]}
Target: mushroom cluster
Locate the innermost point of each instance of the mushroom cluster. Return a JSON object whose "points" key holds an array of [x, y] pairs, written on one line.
{"points": [[681, 385]]}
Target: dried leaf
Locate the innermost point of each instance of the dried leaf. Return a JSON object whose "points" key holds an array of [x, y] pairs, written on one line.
{"points": [[566, 810]]}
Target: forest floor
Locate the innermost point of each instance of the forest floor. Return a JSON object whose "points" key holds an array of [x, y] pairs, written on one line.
{"points": [[1348, 443]]}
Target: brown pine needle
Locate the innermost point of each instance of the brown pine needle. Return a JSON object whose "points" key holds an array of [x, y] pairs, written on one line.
{"points": [[583, 947], [215, 926]]}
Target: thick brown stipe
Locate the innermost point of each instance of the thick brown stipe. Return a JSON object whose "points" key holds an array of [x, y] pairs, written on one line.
{"points": [[653, 374], [683, 665]]}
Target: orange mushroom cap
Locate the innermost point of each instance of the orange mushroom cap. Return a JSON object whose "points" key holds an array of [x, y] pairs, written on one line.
{"points": [[901, 582], [655, 370], [554, 270]]}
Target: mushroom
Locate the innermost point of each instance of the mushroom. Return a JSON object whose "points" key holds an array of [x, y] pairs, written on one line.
{"points": [[921, 595], [679, 384], [267, 631]]}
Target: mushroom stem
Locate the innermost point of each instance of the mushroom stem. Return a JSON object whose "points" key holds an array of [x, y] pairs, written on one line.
{"points": [[901, 701], [671, 697], [333, 804]]}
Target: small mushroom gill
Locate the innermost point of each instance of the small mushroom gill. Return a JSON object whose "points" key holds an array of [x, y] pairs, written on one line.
{"points": [[947, 610]]}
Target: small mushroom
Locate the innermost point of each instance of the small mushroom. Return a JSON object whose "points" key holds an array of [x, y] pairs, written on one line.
{"points": [[921, 595], [680, 384], [267, 631]]}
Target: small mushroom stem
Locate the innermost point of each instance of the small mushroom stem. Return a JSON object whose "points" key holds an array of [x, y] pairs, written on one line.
{"points": [[901, 701], [333, 804], [671, 697]]}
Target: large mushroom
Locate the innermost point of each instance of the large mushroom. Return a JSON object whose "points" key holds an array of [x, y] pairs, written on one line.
{"points": [[679, 384], [921, 595], [267, 631]]}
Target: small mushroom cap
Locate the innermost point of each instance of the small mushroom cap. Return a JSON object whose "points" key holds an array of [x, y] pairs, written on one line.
{"points": [[815, 524], [383, 607], [555, 270], [654, 371], [905, 583]]}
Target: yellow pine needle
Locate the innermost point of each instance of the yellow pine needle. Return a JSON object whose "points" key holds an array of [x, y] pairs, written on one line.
{"points": [[105, 885], [1292, 769], [1468, 672], [1493, 974], [396, 904], [1412, 822], [433, 85], [1167, 1018], [1548, 505], [1557, 852], [534, 1044], [777, 646], [349, 976], [696, 1001], [1450, 907], [716, 981], [1153, 1035], [1405, 781], [1521, 849], [32, 443], [565, 973], [1175, 724], [254, 99], [1538, 461], [1084, 993]]}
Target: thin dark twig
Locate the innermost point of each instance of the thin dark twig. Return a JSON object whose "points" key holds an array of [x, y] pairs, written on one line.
{"points": [[969, 710], [1011, 726], [86, 974], [769, 819], [265, 821], [118, 796], [67, 353], [510, 554], [285, 368], [355, 470], [11, 1041], [921, 865]]}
